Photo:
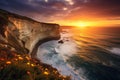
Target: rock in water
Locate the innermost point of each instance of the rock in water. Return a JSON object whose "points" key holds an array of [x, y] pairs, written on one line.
{"points": [[23, 34]]}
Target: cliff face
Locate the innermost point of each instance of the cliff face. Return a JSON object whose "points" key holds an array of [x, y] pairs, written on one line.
{"points": [[23, 34]]}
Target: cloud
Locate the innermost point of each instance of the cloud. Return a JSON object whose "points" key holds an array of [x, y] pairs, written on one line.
{"points": [[32, 7], [104, 7], [51, 10]]}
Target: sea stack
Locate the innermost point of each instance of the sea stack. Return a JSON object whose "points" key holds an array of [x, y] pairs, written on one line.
{"points": [[24, 35]]}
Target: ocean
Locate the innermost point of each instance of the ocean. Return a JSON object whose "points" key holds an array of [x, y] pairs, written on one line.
{"points": [[91, 53]]}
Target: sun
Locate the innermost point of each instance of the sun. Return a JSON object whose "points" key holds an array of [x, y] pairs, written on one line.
{"points": [[82, 24]]}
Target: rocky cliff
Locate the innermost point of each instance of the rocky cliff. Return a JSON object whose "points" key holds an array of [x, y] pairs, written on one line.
{"points": [[24, 35]]}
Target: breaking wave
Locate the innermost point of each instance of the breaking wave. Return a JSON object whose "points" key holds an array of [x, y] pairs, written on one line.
{"points": [[57, 52], [115, 51]]}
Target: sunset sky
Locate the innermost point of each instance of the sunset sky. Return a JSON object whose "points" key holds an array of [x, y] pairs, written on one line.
{"points": [[67, 12]]}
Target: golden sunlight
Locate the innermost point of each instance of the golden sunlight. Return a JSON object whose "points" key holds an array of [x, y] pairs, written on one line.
{"points": [[82, 24]]}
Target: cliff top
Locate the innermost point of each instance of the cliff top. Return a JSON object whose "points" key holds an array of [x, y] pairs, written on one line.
{"points": [[5, 14]]}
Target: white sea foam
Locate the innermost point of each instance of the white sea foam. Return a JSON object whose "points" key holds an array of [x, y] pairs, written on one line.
{"points": [[56, 54], [115, 51]]}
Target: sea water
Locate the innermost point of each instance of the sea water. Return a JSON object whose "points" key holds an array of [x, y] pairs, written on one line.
{"points": [[84, 54]]}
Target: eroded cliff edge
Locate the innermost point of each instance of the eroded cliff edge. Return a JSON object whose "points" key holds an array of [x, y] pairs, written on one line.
{"points": [[24, 35]]}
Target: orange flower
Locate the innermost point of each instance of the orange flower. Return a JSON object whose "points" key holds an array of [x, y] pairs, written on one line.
{"points": [[28, 63], [20, 58], [8, 62], [32, 65], [28, 58], [46, 73]]}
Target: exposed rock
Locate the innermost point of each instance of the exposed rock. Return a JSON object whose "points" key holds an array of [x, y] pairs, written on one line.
{"points": [[23, 34]]}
